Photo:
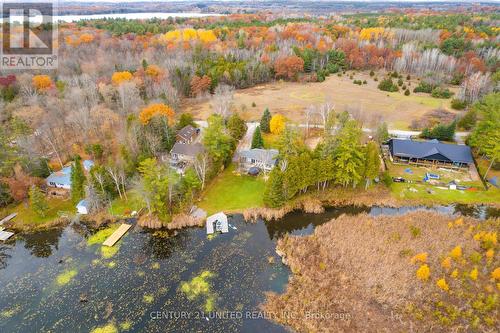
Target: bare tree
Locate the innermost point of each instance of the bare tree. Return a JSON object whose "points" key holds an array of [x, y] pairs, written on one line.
{"points": [[308, 114], [201, 167], [324, 111], [223, 100]]}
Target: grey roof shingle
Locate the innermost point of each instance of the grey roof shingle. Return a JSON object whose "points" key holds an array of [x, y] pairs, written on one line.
{"points": [[429, 150], [187, 149], [267, 156], [187, 132]]}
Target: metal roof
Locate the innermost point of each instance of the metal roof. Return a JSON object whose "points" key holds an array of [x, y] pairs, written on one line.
{"points": [[62, 177], [431, 150]]}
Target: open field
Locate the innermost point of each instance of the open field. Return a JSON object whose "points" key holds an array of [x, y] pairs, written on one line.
{"points": [[291, 98], [231, 191]]}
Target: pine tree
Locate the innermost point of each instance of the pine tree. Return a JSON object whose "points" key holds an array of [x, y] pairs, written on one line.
{"points": [[37, 202], [372, 162], [273, 193], [265, 120], [257, 141], [348, 155], [77, 180]]}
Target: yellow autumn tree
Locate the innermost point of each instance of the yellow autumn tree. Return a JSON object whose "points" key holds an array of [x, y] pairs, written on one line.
{"points": [[154, 110], [277, 124], [206, 36], [456, 253], [441, 283], [41, 82], [153, 71], [420, 257], [120, 77]]}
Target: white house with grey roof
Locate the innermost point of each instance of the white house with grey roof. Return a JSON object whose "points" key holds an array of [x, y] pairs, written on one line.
{"points": [[264, 159]]}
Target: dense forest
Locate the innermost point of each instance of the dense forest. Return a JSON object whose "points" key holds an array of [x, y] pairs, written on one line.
{"points": [[118, 92]]}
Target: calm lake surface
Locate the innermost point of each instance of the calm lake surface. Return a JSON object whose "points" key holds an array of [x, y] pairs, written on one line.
{"points": [[145, 276], [129, 16]]}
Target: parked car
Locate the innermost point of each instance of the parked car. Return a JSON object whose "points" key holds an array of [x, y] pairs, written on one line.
{"points": [[398, 179]]}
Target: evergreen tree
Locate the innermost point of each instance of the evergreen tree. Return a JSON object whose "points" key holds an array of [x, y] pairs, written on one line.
{"points": [[257, 141], [265, 120], [77, 180], [236, 126], [37, 201], [348, 155], [273, 193], [372, 162]]}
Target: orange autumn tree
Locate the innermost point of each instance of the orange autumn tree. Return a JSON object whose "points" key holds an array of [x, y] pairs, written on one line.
{"points": [[41, 82], [200, 84], [288, 67], [155, 110], [153, 71], [120, 77]]}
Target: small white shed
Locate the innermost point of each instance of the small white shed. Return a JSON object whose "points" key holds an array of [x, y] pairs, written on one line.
{"points": [[217, 223], [83, 207]]}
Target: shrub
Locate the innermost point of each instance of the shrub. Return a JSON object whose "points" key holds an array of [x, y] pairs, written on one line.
{"points": [[395, 74], [351, 77], [423, 273], [375, 79], [419, 258], [496, 274], [424, 87], [446, 263], [440, 132], [358, 82], [400, 82], [404, 87], [372, 73], [415, 231], [441, 283], [456, 253], [387, 179], [364, 82], [439, 92], [387, 85], [408, 77], [407, 92], [458, 104], [473, 274], [253, 104], [339, 74]]}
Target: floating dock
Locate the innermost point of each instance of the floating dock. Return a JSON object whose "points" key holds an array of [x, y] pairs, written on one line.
{"points": [[4, 235], [115, 237], [8, 218]]}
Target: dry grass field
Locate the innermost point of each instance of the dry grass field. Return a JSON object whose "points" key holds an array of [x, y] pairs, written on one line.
{"points": [[291, 98], [422, 272]]}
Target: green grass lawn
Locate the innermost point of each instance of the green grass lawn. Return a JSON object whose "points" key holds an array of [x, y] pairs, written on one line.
{"points": [[442, 196], [231, 191], [270, 140], [27, 217], [122, 207]]}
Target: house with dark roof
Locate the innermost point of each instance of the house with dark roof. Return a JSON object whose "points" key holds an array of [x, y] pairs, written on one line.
{"points": [[186, 152], [187, 134], [430, 153], [264, 159]]}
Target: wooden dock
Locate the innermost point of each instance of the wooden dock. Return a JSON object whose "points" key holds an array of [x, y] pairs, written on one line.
{"points": [[8, 218], [115, 237]]}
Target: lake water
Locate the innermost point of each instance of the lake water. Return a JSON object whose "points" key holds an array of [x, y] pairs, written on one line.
{"points": [[129, 16], [144, 279]]}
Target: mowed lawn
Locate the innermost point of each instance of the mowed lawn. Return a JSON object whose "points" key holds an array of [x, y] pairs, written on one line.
{"points": [[444, 196], [231, 191], [26, 216]]}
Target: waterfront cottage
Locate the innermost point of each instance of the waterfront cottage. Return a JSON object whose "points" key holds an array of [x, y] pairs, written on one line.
{"points": [[82, 207], [217, 223], [60, 179]]}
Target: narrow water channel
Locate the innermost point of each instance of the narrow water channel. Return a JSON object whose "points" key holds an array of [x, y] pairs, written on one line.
{"points": [[54, 281]]}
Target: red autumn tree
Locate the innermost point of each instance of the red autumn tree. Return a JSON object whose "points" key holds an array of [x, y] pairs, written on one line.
{"points": [[288, 67]]}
